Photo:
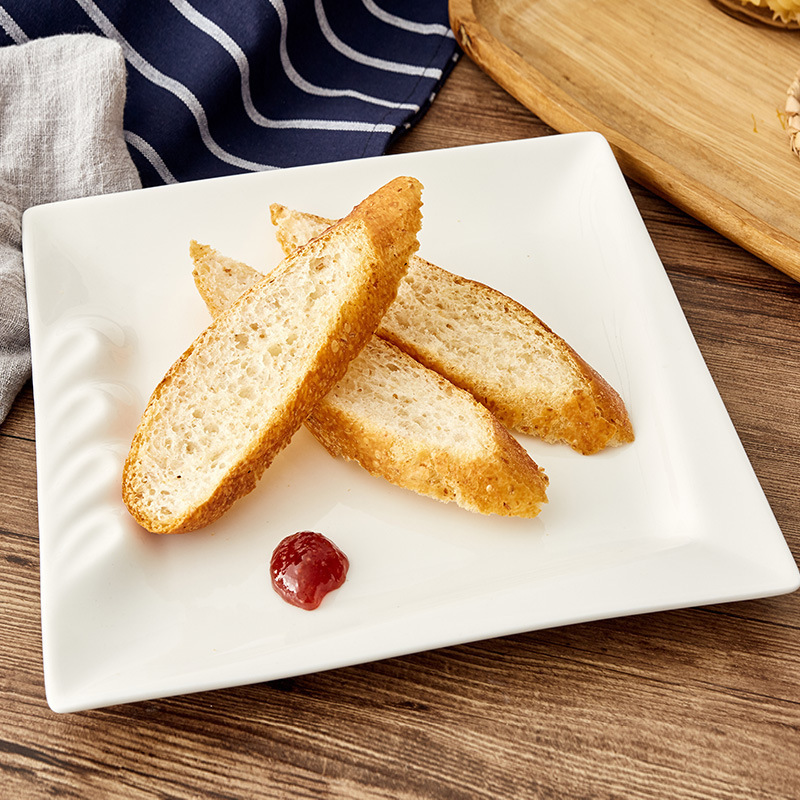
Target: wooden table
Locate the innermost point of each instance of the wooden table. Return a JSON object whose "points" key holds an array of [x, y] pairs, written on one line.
{"points": [[701, 703]]}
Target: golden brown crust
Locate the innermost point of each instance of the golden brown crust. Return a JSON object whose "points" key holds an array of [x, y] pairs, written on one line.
{"points": [[758, 13], [413, 456], [384, 261], [591, 417], [502, 480]]}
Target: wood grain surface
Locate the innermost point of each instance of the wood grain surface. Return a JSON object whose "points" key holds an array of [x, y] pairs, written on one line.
{"points": [[696, 703], [691, 100]]}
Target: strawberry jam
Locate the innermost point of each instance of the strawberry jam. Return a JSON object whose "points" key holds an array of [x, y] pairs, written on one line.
{"points": [[305, 567]]}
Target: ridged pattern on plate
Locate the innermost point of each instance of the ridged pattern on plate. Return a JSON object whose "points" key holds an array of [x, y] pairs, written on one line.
{"points": [[81, 440]]}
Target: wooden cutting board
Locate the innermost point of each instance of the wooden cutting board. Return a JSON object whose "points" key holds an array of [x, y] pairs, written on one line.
{"points": [[690, 99]]}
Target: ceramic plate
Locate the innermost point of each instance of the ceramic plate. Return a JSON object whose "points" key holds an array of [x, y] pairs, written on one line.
{"points": [[675, 519]]}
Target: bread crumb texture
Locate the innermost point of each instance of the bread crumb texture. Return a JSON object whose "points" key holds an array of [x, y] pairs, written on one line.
{"points": [[233, 400], [493, 347], [407, 424]]}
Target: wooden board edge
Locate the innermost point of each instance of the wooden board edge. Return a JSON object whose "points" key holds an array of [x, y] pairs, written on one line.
{"points": [[562, 112]]}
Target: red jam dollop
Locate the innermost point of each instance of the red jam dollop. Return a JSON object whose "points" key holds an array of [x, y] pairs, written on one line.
{"points": [[305, 567]]}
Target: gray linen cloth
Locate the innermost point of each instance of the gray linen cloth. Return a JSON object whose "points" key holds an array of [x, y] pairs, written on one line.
{"points": [[61, 104]]}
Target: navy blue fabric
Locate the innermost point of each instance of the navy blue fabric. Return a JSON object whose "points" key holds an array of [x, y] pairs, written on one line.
{"points": [[217, 87]]}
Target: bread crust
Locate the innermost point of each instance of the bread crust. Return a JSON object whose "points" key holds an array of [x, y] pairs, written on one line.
{"points": [[589, 417], [586, 413], [499, 477], [383, 231], [486, 471]]}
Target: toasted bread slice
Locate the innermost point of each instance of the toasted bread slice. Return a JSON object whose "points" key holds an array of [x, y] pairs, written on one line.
{"points": [[404, 422], [493, 347], [233, 400]]}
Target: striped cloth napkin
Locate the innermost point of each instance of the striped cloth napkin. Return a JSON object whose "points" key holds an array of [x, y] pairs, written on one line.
{"points": [[213, 88], [216, 88]]}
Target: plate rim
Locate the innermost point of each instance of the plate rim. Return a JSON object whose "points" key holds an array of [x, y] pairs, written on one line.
{"points": [[786, 577]]}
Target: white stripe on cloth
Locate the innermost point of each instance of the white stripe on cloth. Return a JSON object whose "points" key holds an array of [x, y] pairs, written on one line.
{"points": [[321, 91], [155, 76], [424, 29], [150, 153], [369, 61], [165, 82], [9, 25], [213, 30]]}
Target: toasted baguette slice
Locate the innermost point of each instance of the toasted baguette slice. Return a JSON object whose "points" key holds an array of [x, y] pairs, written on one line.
{"points": [[493, 347], [404, 422], [233, 400]]}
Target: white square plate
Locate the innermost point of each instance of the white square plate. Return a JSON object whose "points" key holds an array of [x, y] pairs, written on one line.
{"points": [[673, 520]]}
